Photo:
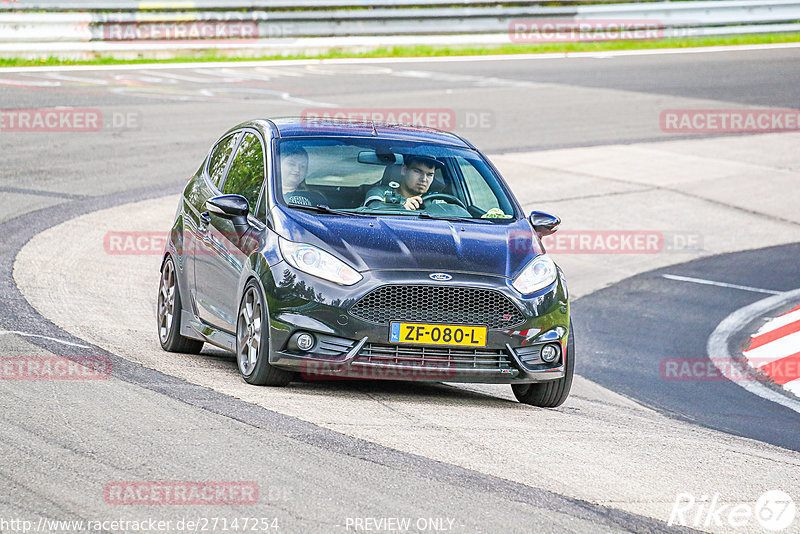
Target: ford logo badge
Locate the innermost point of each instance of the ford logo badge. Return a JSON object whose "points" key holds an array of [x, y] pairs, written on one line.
{"points": [[440, 277]]}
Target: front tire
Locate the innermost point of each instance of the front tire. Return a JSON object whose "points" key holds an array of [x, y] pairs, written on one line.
{"points": [[553, 393], [252, 341], [169, 314]]}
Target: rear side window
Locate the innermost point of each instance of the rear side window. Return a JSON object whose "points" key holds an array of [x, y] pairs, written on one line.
{"points": [[246, 174], [219, 157]]}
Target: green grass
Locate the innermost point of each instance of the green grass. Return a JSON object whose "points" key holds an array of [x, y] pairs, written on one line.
{"points": [[437, 51]]}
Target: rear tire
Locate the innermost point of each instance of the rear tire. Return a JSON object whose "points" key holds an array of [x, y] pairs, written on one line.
{"points": [[553, 393], [169, 314], [252, 341]]}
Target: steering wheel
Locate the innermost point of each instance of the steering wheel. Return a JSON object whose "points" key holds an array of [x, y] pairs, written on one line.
{"points": [[444, 196], [298, 197]]}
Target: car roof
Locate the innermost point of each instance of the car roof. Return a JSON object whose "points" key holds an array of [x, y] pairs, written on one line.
{"points": [[329, 127]]}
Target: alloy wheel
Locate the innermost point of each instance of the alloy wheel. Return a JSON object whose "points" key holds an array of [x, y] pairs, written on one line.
{"points": [[166, 301], [248, 332]]}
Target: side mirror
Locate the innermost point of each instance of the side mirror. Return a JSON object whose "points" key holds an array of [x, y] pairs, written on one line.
{"points": [[228, 206], [544, 223]]}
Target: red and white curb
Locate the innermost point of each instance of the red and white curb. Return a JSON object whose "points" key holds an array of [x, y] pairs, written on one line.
{"points": [[775, 350]]}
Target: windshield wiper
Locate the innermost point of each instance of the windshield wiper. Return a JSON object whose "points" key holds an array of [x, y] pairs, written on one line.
{"points": [[323, 208], [419, 214], [426, 215]]}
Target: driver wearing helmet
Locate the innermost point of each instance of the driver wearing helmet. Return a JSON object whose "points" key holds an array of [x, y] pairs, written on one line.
{"points": [[416, 177]]}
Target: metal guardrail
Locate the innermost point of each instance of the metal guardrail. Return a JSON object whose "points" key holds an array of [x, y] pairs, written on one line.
{"points": [[233, 5], [43, 21]]}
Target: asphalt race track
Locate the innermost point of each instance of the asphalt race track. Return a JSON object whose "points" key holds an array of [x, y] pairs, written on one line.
{"points": [[579, 137], [679, 327]]}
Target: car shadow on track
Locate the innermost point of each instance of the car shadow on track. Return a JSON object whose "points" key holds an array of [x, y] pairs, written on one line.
{"points": [[387, 389]]}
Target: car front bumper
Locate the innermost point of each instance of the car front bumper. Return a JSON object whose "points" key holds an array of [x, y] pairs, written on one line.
{"points": [[347, 347]]}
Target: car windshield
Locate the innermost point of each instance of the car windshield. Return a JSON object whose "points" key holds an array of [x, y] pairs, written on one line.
{"points": [[389, 178]]}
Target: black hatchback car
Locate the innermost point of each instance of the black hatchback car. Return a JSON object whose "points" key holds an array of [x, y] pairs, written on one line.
{"points": [[367, 251]]}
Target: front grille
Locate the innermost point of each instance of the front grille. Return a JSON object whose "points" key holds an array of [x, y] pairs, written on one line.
{"points": [[455, 359], [437, 304]]}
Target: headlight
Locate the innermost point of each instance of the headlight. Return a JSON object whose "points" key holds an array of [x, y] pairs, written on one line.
{"points": [[317, 262], [539, 273]]}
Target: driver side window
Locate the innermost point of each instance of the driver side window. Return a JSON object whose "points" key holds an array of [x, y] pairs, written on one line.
{"points": [[246, 175]]}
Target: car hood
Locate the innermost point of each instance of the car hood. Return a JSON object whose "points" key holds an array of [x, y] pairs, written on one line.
{"points": [[376, 243]]}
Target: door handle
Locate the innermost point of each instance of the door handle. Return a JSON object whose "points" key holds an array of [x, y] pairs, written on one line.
{"points": [[202, 226]]}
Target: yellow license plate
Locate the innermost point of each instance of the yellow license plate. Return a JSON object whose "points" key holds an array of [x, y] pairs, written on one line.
{"points": [[438, 334]]}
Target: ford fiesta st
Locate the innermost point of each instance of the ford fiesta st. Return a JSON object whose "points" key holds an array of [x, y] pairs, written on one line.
{"points": [[368, 251]]}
